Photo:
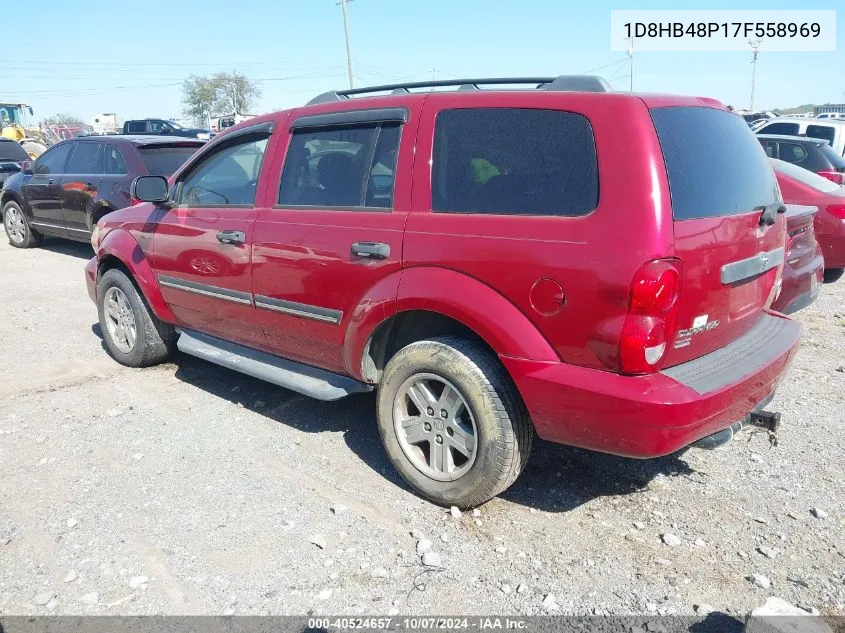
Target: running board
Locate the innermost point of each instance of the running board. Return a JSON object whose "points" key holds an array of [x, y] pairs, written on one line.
{"points": [[304, 379]]}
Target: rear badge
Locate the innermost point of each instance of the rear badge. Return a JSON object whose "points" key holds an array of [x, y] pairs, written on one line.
{"points": [[700, 324]]}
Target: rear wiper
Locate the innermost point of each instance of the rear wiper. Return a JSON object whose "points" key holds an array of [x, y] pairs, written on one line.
{"points": [[770, 212]]}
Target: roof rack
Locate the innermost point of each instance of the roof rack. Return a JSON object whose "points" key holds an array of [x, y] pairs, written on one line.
{"points": [[577, 83]]}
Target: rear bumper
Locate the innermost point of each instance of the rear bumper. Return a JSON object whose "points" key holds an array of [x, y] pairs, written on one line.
{"points": [[657, 414], [801, 286], [91, 278]]}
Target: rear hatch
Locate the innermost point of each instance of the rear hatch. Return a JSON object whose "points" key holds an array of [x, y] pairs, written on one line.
{"points": [[729, 231]]}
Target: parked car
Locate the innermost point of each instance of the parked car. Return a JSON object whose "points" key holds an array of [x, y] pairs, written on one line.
{"points": [[814, 154], [803, 269], [75, 183], [831, 115], [832, 131], [799, 186], [164, 127], [13, 158], [495, 282]]}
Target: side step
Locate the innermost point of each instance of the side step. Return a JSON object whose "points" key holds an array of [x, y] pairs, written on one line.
{"points": [[304, 379]]}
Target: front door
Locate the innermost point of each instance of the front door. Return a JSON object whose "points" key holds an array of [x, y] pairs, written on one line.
{"points": [[202, 245], [81, 186], [334, 240], [43, 190]]}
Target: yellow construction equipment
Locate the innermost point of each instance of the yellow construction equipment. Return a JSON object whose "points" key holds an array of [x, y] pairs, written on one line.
{"points": [[14, 121]]}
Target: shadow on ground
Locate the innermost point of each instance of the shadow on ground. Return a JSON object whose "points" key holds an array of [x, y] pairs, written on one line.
{"points": [[67, 247], [558, 478]]}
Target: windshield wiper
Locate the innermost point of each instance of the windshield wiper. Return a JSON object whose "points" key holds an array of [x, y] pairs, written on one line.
{"points": [[770, 212]]}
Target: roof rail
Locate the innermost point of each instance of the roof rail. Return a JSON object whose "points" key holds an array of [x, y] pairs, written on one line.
{"points": [[578, 83]]}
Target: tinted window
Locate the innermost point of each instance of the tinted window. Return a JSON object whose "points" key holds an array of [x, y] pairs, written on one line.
{"points": [[771, 148], [164, 161], [341, 167], [514, 161], [805, 176], [837, 161], [827, 132], [86, 158], [53, 160], [114, 163], [10, 150], [792, 152], [227, 176], [136, 127], [715, 164], [779, 128]]}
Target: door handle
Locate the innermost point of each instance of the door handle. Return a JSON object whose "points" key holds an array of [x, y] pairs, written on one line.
{"points": [[231, 237], [371, 250]]}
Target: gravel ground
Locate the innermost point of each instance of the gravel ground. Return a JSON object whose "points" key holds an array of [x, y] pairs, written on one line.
{"points": [[190, 489]]}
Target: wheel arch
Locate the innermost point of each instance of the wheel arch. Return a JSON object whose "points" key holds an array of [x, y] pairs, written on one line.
{"points": [[119, 249]]}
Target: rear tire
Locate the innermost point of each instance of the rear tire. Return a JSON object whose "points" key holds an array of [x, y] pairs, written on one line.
{"points": [[133, 335], [833, 274], [18, 230], [473, 441]]}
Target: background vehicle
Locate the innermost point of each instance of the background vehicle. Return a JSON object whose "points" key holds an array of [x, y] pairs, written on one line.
{"points": [[75, 183], [106, 123], [164, 128], [812, 154], [15, 126], [220, 123], [461, 252], [800, 186], [803, 269], [829, 130], [831, 115], [13, 158]]}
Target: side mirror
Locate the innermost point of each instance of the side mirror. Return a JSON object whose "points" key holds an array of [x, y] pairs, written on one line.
{"points": [[26, 166], [150, 189]]}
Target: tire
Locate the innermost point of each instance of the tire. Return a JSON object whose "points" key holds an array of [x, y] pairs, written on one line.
{"points": [[18, 231], [491, 407], [833, 274], [152, 341]]}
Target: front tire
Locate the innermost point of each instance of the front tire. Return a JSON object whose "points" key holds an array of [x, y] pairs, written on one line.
{"points": [[133, 335], [18, 231], [833, 274], [452, 421]]}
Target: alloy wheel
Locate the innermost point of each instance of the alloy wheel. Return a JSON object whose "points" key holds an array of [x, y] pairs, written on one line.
{"points": [[120, 320]]}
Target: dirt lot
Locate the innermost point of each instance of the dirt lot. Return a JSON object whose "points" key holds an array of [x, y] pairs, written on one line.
{"points": [[188, 489]]}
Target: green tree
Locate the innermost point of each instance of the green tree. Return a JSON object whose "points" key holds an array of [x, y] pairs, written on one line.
{"points": [[221, 93], [198, 96]]}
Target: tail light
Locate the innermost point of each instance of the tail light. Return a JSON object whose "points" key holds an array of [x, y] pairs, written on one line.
{"points": [[833, 176], [652, 316], [837, 211]]}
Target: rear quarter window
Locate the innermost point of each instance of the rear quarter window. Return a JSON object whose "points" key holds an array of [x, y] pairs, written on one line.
{"points": [[715, 164], [514, 161]]}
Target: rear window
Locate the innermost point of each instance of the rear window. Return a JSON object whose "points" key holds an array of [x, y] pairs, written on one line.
{"points": [[714, 162], [835, 159], [819, 183], [514, 161], [10, 150], [789, 129], [165, 160], [827, 132]]}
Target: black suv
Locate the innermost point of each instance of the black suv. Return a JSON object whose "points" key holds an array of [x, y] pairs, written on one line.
{"points": [[813, 154], [76, 182], [164, 128], [13, 158]]}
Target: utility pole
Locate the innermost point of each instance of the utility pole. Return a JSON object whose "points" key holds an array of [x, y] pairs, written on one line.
{"points": [[631, 62], [343, 4], [755, 45]]}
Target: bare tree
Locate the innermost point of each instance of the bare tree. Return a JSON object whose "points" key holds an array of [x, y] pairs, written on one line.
{"points": [[64, 120]]}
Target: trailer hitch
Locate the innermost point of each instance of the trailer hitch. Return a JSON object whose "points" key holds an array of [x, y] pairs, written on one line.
{"points": [[767, 420]]}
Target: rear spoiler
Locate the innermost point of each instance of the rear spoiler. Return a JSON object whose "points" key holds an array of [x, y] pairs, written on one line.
{"points": [[795, 211]]}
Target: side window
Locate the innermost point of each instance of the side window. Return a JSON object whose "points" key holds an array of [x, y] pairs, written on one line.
{"points": [[341, 167], [226, 177], [514, 162], [827, 132], [53, 160], [792, 152], [779, 128], [114, 165], [136, 127], [86, 159], [771, 148]]}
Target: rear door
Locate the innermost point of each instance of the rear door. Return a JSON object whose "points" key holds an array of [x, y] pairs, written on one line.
{"points": [[43, 190], [202, 245], [81, 186], [336, 232], [731, 258]]}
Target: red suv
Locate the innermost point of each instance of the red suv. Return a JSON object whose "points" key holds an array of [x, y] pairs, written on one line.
{"points": [[593, 267]]}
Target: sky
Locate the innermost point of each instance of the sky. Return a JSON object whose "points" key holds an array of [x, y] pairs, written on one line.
{"points": [[130, 56]]}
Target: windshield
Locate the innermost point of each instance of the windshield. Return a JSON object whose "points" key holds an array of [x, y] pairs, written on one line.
{"points": [[715, 164], [11, 151], [819, 183], [10, 114], [174, 125]]}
